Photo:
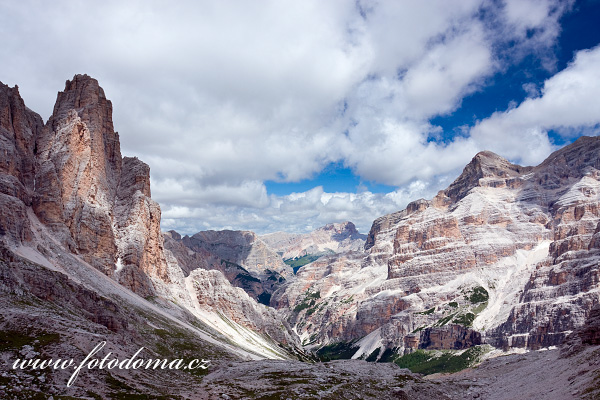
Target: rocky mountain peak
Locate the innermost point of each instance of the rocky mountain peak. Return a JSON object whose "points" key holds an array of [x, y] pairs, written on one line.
{"points": [[84, 105], [331, 238], [173, 235], [241, 256], [78, 173], [71, 173], [486, 165], [583, 151], [81, 92], [9, 95], [243, 248], [19, 126], [538, 225], [580, 158]]}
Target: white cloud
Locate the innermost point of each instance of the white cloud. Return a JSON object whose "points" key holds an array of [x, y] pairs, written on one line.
{"points": [[297, 212], [449, 70], [531, 89], [187, 191], [218, 97], [568, 103], [535, 18]]}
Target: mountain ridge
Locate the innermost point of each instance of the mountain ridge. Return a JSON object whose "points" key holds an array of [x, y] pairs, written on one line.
{"points": [[334, 237], [77, 216], [497, 222]]}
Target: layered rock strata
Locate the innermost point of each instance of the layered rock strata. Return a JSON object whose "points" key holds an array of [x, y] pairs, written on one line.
{"points": [[508, 251]]}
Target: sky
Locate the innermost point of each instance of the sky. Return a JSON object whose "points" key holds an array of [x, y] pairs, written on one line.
{"points": [[286, 115]]}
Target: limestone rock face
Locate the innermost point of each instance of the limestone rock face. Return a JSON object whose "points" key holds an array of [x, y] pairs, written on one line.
{"points": [[508, 252], [471, 224], [18, 128], [79, 169], [455, 337], [335, 238], [512, 209], [324, 298], [245, 260], [213, 292], [590, 332], [71, 173], [97, 203], [586, 335], [241, 247], [196, 281], [137, 230], [563, 288], [73, 205]]}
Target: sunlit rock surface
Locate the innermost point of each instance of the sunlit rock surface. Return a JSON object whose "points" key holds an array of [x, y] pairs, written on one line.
{"points": [[508, 251]]}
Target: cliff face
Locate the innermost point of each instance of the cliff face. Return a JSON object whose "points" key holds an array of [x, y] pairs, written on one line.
{"points": [[66, 189], [493, 212], [508, 251], [96, 202], [211, 292], [564, 287], [136, 227], [241, 247], [241, 256], [18, 128], [477, 221], [229, 273], [79, 169]]}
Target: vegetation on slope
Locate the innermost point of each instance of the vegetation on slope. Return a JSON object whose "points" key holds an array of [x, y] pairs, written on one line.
{"points": [[337, 351], [431, 362], [298, 262]]}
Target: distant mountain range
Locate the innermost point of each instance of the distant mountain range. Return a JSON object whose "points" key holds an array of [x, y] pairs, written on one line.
{"points": [[331, 238]]}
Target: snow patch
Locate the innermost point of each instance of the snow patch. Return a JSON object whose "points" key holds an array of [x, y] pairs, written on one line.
{"points": [[119, 265]]}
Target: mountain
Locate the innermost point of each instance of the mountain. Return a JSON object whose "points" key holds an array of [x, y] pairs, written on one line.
{"points": [[241, 256], [569, 372], [82, 260], [256, 263], [336, 238], [506, 255]]}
